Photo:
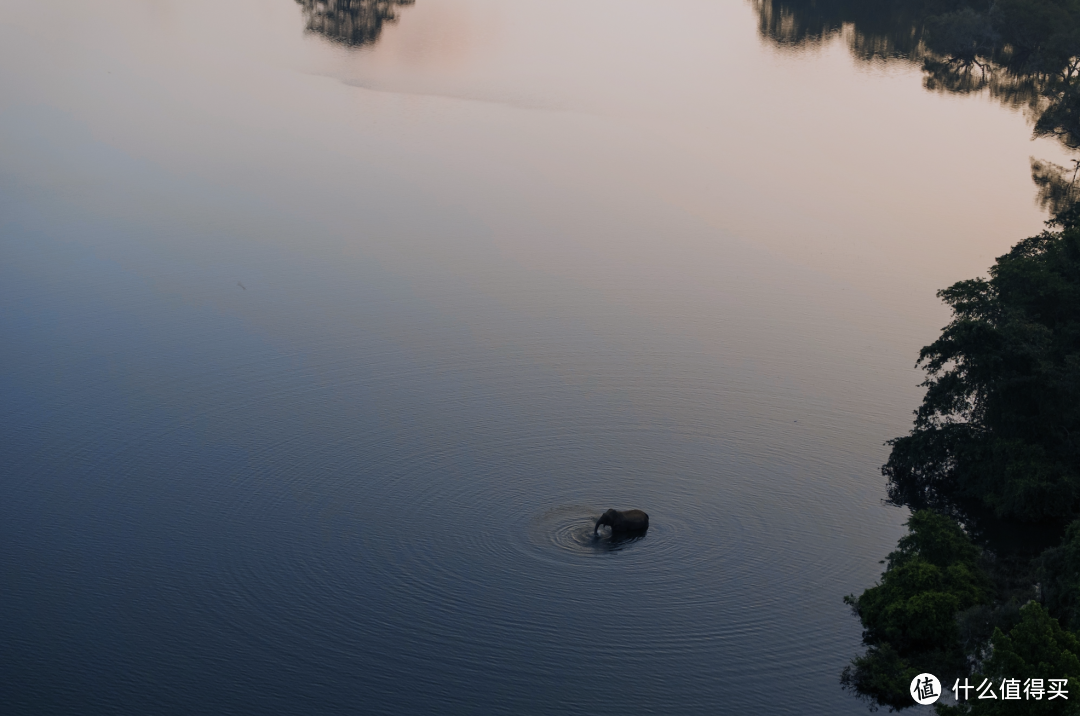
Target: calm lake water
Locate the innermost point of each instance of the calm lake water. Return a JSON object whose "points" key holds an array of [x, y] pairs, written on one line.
{"points": [[318, 361]]}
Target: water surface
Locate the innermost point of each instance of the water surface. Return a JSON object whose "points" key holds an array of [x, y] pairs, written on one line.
{"points": [[323, 348]]}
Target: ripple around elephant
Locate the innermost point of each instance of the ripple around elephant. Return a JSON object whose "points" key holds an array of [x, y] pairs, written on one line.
{"points": [[623, 522]]}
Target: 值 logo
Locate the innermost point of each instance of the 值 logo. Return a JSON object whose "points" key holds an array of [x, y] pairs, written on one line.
{"points": [[925, 689]]}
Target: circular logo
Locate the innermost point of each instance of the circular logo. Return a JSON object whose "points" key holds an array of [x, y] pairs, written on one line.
{"points": [[925, 689]]}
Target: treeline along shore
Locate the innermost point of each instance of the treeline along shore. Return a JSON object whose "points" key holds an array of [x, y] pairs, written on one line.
{"points": [[985, 586]]}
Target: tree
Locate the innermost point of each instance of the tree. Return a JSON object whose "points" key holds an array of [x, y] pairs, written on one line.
{"points": [[1036, 648], [910, 618], [1061, 578], [999, 426]]}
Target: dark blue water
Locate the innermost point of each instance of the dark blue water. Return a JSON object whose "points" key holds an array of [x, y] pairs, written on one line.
{"points": [[310, 396], [200, 518]]}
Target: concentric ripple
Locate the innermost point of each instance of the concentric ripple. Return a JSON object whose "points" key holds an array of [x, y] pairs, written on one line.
{"points": [[570, 528]]}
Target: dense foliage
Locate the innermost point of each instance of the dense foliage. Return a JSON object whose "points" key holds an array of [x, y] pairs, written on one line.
{"points": [[1000, 424], [931, 577], [1060, 570], [910, 618], [1036, 648], [987, 582], [993, 452]]}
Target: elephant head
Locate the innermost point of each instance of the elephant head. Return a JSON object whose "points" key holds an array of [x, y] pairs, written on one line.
{"points": [[623, 522]]}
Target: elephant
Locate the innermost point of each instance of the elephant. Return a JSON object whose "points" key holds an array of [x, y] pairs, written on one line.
{"points": [[623, 522]]}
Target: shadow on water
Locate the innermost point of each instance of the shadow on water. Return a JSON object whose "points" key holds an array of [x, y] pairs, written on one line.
{"points": [[963, 48], [353, 23]]}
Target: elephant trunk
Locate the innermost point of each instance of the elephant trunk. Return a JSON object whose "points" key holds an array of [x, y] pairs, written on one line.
{"points": [[599, 522]]}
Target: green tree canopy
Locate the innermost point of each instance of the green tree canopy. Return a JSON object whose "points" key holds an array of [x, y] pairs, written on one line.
{"points": [[1061, 578], [999, 426], [1036, 648], [910, 617]]}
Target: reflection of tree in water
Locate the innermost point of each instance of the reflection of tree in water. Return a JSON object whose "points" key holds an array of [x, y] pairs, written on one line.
{"points": [[991, 467], [350, 22], [874, 29], [1025, 53], [1058, 189]]}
